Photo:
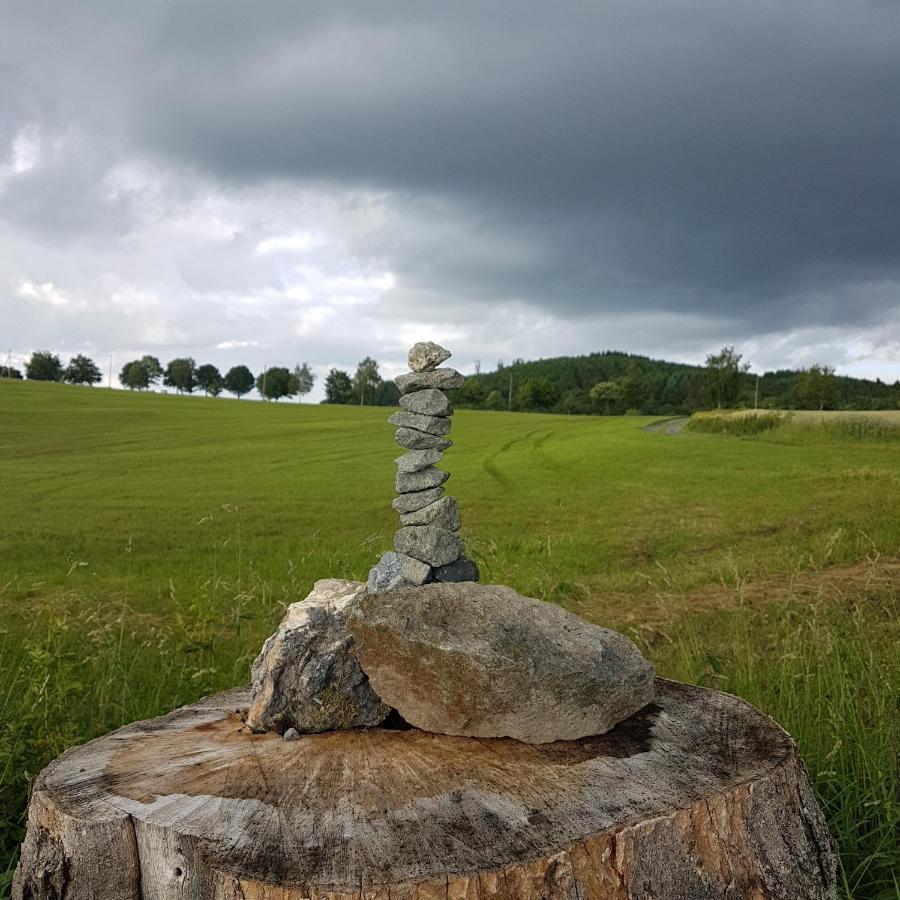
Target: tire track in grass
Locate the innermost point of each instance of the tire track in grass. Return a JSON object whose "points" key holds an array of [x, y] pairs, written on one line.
{"points": [[489, 463]]}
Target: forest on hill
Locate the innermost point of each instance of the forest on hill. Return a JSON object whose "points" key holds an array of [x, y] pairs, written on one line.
{"points": [[607, 383], [615, 383]]}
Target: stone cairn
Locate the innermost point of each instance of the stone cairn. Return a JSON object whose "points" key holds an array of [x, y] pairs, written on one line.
{"points": [[426, 547]]}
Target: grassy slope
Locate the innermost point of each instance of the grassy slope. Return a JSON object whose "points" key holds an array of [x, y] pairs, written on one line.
{"points": [[102, 486], [149, 543]]}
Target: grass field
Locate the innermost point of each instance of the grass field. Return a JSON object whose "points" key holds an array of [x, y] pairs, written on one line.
{"points": [[149, 543]]}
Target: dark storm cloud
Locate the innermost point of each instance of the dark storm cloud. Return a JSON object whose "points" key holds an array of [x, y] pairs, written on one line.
{"points": [[716, 155], [734, 164]]}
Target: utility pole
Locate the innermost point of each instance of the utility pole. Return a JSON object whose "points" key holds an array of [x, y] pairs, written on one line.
{"points": [[509, 401], [110, 371], [756, 398], [265, 370]]}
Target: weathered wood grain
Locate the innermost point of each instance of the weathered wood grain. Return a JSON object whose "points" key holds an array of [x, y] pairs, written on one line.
{"points": [[698, 796]]}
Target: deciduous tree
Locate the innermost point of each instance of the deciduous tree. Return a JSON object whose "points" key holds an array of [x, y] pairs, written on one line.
{"points": [[366, 379], [817, 388], [238, 381], [44, 366], [495, 400], [606, 395], [303, 380], [82, 370], [274, 383], [537, 393], [338, 387], [134, 376], [472, 393], [179, 374], [209, 379], [723, 376], [153, 367]]}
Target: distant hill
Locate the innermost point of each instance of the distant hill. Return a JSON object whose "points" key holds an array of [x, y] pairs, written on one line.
{"points": [[653, 387]]}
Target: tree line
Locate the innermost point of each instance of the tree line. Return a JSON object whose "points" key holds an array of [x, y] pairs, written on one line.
{"points": [[365, 386], [182, 374], [608, 383]]}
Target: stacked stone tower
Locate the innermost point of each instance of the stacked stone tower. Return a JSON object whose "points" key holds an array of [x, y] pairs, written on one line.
{"points": [[427, 546]]}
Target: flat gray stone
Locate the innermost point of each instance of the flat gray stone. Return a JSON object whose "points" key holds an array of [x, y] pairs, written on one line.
{"points": [[481, 660], [433, 545], [425, 355], [306, 676], [418, 459], [397, 570], [439, 379], [407, 482], [443, 512], [412, 439], [462, 569], [428, 402], [437, 425], [416, 500]]}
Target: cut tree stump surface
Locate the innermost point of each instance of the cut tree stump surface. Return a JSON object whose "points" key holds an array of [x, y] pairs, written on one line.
{"points": [[697, 796]]}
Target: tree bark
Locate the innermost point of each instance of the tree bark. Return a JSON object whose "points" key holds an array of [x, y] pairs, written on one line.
{"points": [[698, 796]]}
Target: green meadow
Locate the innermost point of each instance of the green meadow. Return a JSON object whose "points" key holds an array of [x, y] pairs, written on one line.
{"points": [[149, 543]]}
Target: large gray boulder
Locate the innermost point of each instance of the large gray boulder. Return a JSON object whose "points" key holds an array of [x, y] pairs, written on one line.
{"points": [[306, 676], [481, 660]]}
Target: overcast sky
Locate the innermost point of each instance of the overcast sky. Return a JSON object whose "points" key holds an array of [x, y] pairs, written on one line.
{"points": [[272, 182]]}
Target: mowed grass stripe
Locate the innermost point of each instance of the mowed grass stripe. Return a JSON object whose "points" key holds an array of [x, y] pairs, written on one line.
{"points": [[164, 489]]}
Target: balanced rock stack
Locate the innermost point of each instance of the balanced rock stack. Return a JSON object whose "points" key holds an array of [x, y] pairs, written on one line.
{"points": [[426, 547]]}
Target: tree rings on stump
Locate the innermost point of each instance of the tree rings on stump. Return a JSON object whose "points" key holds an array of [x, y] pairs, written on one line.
{"points": [[697, 796]]}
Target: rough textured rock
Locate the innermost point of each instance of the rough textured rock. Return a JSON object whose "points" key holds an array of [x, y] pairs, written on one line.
{"points": [[433, 545], [408, 482], [481, 660], [416, 499], [439, 379], [412, 439], [397, 570], [443, 513], [462, 569], [430, 424], [415, 460], [428, 402], [306, 676], [425, 355]]}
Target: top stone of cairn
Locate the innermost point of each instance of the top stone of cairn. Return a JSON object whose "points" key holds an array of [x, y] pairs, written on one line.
{"points": [[426, 355]]}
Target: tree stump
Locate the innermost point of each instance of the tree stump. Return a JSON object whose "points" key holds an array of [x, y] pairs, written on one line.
{"points": [[697, 796]]}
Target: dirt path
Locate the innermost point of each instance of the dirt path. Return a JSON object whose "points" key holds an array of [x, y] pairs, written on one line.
{"points": [[668, 426]]}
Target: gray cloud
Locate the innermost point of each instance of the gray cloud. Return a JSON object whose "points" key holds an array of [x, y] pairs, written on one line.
{"points": [[590, 170]]}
